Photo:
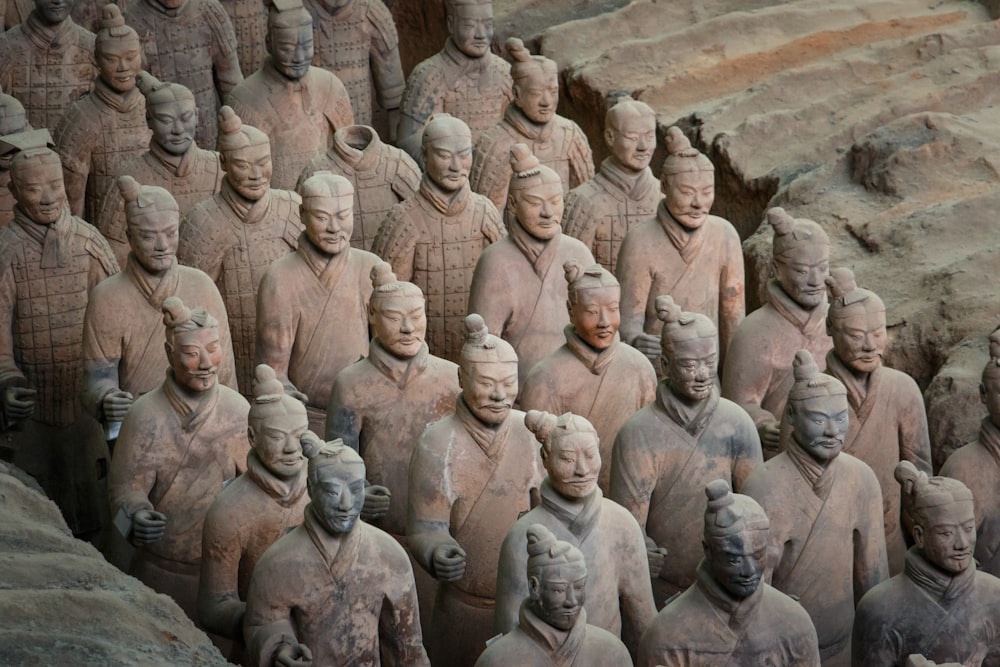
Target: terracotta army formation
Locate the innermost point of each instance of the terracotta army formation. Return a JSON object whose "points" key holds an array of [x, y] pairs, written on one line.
{"points": [[297, 105], [624, 191], [47, 62], [123, 339], [255, 510], [190, 42], [684, 252], [730, 616], [887, 420], [464, 79], [668, 451], [108, 125], [173, 160], [234, 235], [529, 314], [472, 474], [334, 590], [531, 119], [827, 541], [249, 19], [552, 625], [312, 305], [941, 606], [435, 237], [178, 445], [794, 318], [382, 176], [574, 509], [13, 120], [49, 261], [593, 374]]}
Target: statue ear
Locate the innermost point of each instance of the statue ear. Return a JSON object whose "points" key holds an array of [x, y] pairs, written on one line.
{"points": [[707, 550], [534, 587], [982, 393], [609, 136], [250, 435], [918, 535]]}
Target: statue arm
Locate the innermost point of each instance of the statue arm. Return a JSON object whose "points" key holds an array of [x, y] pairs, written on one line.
{"points": [[387, 71], [747, 376], [490, 175], [421, 99], [219, 606], [197, 246], [216, 306], [428, 519], [488, 295], [732, 307], [636, 282], [635, 593], [633, 474], [276, 325], [74, 144], [267, 623], [396, 241], [747, 453], [914, 437], [399, 622], [132, 477], [581, 158], [10, 374], [225, 61], [512, 583], [871, 565], [578, 219], [342, 420], [100, 365]]}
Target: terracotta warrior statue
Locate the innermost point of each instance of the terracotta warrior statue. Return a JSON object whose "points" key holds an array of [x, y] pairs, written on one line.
{"points": [[517, 286], [123, 339], [190, 42], [178, 447], [49, 261], [249, 19], [473, 473], [575, 510], [107, 126], [624, 192], [941, 606], [886, 414], [794, 318], [827, 541], [13, 120], [312, 305], [173, 160], [668, 451], [234, 235], [682, 251], [382, 176], [435, 237], [258, 508], [552, 621], [531, 119], [47, 62], [334, 590], [464, 79], [729, 615], [297, 105]]}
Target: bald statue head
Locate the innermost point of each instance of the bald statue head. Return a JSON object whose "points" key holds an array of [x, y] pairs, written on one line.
{"points": [[36, 177], [289, 38], [470, 26], [446, 147], [327, 211], [630, 134]]}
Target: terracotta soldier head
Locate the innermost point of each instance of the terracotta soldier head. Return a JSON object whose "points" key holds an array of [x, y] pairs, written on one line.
{"points": [[630, 134], [470, 25], [536, 82], [171, 113], [117, 50], [944, 521], [245, 155], [36, 177], [290, 38], [446, 148], [53, 12], [689, 351], [396, 313], [817, 410], [192, 345], [594, 294], [535, 196], [735, 539], [274, 425], [989, 388], [487, 373], [570, 451], [856, 322], [152, 218], [557, 578], [13, 118], [327, 211], [687, 181], [801, 257], [336, 484]]}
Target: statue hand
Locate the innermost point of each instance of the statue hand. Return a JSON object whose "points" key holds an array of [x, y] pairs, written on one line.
{"points": [[19, 403], [297, 655], [298, 395], [649, 345], [449, 562], [770, 432], [148, 526], [116, 404], [376, 503], [655, 555]]}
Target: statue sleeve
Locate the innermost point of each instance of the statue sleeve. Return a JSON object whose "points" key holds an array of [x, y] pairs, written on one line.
{"points": [[489, 294], [74, 143], [732, 307], [429, 517], [224, 54], [387, 70], [635, 593], [636, 282], [581, 159], [407, 178], [201, 242], [633, 472], [490, 175], [217, 307], [747, 375], [267, 623], [493, 226], [747, 451], [132, 478], [871, 565], [219, 606], [276, 323], [338, 110], [10, 374], [512, 584], [579, 220], [399, 634], [100, 359], [396, 240], [104, 264], [422, 96], [914, 439], [342, 419]]}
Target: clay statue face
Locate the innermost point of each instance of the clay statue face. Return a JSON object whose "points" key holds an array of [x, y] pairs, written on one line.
{"points": [[947, 536], [400, 324], [633, 142], [539, 209], [489, 389], [337, 495], [119, 61], [595, 316], [819, 425], [737, 561], [689, 197], [292, 50], [558, 593], [174, 125], [448, 161], [248, 170], [989, 392], [39, 191], [573, 462], [276, 441], [693, 368], [538, 96], [802, 276], [471, 28], [329, 222], [153, 239], [54, 11], [859, 338], [195, 357]]}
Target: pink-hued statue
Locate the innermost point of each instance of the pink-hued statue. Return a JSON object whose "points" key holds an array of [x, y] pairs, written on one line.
{"points": [[297, 105], [249, 19], [335, 590], [794, 318], [435, 237], [593, 374], [684, 252], [729, 615], [472, 475], [517, 286], [179, 445], [173, 160], [531, 119], [382, 176], [624, 191], [49, 261], [941, 606], [464, 79], [123, 339], [668, 451], [887, 420], [235, 235], [312, 305], [47, 62], [575, 510], [827, 541], [190, 42], [552, 626], [255, 510], [13, 120], [107, 126]]}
